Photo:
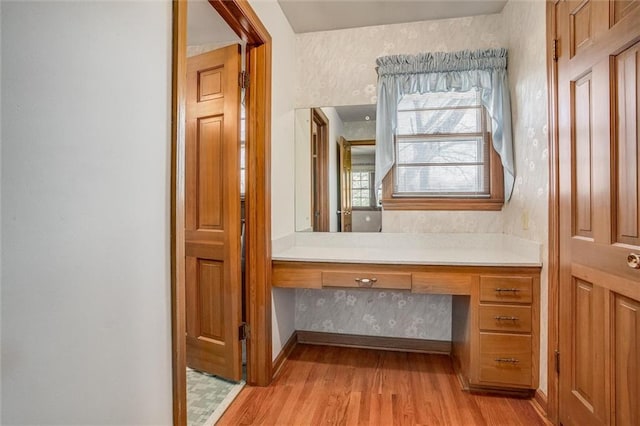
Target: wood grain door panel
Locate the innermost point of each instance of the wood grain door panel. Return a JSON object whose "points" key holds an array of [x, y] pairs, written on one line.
{"points": [[212, 220], [627, 159], [582, 157], [599, 204], [346, 209], [626, 372]]}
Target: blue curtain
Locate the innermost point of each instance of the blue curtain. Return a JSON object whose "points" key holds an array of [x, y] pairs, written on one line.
{"points": [[484, 70]]}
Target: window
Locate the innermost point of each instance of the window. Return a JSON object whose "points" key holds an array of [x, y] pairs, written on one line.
{"points": [[363, 196], [361, 189], [444, 158]]}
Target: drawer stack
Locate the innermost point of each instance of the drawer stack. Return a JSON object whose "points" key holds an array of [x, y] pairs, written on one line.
{"points": [[505, 319]]}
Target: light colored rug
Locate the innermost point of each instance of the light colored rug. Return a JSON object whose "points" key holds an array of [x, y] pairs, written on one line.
{"points": [[208, 396]]}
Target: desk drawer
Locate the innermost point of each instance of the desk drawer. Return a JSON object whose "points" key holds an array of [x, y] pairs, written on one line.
{"points": [[505, 289], [364, 279], [505, 318], [442, 283], [505, 359]]}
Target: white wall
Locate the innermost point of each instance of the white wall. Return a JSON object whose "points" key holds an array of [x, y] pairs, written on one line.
{"points": [[282, 153], [526, 215], [366, 220], [85, 213], [359, 130]]}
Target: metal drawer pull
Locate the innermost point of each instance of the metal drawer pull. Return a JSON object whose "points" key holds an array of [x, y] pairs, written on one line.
{"points": [[366, 282], [505, 318], [507, 290], [507, 360]]}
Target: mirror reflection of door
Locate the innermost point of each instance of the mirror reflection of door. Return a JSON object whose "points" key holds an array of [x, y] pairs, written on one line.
{"points": [[345, 185], [320, 170], [358, 199]]}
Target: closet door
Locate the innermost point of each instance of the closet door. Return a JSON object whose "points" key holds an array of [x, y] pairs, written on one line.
{"points": [[212, 234], [598, 98]]}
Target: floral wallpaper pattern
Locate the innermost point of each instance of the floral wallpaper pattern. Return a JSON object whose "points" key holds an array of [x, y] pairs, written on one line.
{"points": [[376, 313], [353, 82], [441, 221], [526, 215], [520, 28], [325, 78]]}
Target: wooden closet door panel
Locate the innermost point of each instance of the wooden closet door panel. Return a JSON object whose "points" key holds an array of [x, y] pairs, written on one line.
{"points": [[212, 228], [626, 357], [627, 159], [599, 185]]}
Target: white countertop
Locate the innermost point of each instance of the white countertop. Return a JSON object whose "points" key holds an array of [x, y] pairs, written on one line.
{"points": [[413, 249]]}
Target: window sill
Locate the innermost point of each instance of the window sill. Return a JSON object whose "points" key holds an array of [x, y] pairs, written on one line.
{"points": [[484, 204]]}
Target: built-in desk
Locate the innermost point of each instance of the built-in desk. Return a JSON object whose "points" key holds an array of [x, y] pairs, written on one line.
{"points": [[494, 280]]}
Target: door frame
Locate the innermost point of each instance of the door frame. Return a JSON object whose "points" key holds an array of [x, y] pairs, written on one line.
{"points": [[243, 20], [320, 170], [553, 272]]}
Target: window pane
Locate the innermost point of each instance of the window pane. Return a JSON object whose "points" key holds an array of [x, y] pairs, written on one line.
{"points": [[360, 189], [434, 121], [441, 179], [440, 150], [439, 100]]}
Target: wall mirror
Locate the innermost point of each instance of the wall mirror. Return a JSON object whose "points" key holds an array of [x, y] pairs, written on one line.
{"points": [[334, 169]]}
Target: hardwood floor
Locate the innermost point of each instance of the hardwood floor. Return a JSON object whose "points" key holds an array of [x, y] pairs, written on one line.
{"points": [[335, 386]]}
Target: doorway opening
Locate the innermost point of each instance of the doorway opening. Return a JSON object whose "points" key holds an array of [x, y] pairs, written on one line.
{"points": [[206, 236]]}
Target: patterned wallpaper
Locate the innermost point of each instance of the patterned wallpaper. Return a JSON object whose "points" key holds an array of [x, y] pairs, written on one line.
{"points": [[325, 78], [353, 82], [441, 221], [521, 28], [375, 313], [525, 27]]}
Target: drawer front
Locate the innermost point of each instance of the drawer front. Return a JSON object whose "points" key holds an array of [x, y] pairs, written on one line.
{"points": [[505, 318], [364, 279], [442, 283], [505, 289], [505, 359], [292, 277]]}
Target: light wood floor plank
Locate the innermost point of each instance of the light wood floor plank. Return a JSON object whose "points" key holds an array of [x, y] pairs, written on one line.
{"points": [[345, 386]]}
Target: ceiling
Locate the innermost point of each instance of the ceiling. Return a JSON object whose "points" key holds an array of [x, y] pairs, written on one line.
{"points": [[325, 15], [206, 27], [356, 112]]}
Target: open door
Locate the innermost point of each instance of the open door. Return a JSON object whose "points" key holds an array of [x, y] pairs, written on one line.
{"points": [[345, 185], [212, 222], [599, 230]]}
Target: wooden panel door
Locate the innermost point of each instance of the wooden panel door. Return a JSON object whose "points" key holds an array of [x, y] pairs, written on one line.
{"points": [[212, 230], [346, 209], [599, 187]]}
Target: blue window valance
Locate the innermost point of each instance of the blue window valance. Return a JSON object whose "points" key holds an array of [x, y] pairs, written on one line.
{"points": [[483, 70]]}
